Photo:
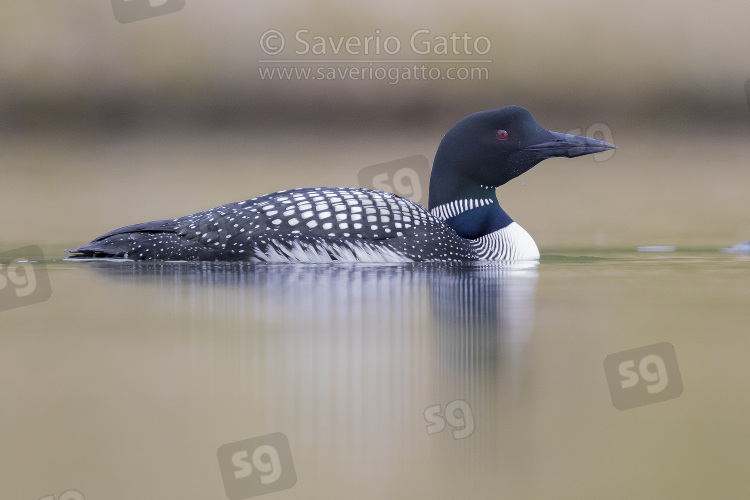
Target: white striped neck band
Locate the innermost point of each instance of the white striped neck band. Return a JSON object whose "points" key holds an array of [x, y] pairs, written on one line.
{"points": [[456, 207]]}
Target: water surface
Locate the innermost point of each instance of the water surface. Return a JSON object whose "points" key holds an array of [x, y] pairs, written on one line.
{"points": [[126, 382]]}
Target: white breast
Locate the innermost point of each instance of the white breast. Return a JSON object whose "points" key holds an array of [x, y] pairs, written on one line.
{"points": [[509, 243]]}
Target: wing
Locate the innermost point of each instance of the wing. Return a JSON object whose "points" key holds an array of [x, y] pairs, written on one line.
{"points": [[323, 224]]}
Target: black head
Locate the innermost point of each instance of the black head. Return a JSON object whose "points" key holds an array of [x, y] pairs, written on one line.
{"points": [[495, 146]]}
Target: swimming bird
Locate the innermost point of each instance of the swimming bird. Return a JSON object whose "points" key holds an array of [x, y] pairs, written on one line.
{"points": [[464, 221]]}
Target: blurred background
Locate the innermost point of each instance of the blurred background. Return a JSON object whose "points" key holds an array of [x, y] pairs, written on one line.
{"points": [[104, 124], [69, 65]]}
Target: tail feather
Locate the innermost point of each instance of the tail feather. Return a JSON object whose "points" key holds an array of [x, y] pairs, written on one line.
{"points": [[157, 226], [158, 238]]}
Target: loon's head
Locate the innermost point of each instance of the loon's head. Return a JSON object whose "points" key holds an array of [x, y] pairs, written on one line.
{"points": [[490, 148]]}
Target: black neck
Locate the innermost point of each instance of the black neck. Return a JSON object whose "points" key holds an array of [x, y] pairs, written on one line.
{"points": [[480, 221], [447, 187]]}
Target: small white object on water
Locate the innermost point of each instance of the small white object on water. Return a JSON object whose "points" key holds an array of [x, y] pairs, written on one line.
{"points": [[657, 248], [739, 248]]}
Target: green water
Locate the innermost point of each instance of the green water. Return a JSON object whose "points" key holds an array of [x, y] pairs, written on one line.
{"points": [[128, 379]]}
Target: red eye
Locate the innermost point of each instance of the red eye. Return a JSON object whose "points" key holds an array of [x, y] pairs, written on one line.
{"points": [[502, 135]]}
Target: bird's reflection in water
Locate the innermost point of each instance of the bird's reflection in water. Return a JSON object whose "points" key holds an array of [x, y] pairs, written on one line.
{"points": [[482, 316], [482, 320], [351, 347]]}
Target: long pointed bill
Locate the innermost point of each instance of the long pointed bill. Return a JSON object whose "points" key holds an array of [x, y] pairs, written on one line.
{"points": [[570, 146]]}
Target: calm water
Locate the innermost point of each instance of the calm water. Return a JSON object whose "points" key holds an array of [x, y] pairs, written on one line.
{"points": [[125, 383], [393, 381]]}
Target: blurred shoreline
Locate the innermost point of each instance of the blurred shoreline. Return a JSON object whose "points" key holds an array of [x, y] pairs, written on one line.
{"points": [[131, 111], [74, 67]]}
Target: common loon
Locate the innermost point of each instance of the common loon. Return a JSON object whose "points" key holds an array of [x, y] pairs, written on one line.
{"points": [[464, 223]]}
